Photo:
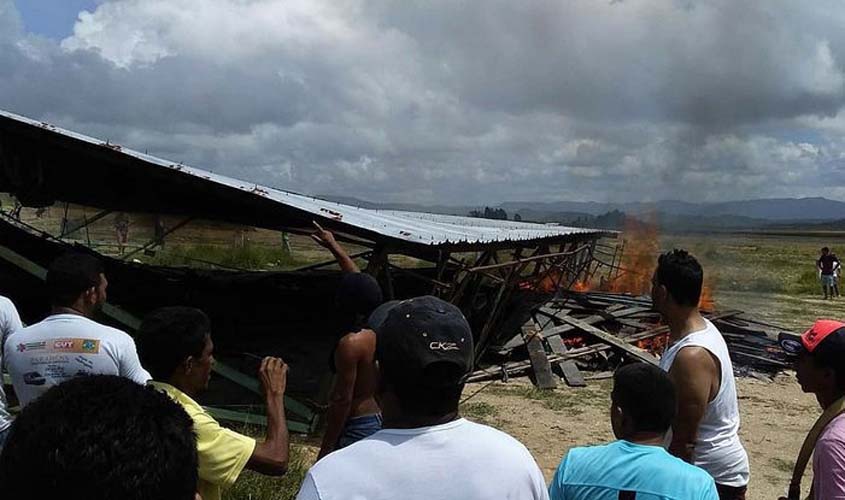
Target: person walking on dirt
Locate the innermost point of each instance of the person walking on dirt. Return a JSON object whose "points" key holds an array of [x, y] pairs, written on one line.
{"points": [[353, 412], [705, 430], [642, 406], [828, 266], [820, 368]]}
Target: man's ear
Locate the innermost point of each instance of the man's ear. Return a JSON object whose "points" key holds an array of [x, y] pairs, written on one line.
{"points": [[89, 296], [188, 364]]}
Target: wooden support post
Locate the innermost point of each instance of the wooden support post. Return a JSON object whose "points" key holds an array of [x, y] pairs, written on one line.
{"points": [[155, 241], [72, 227], [543, 376]]}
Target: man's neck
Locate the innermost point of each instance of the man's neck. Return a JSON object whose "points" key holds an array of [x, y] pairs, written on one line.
{"points": [[646, 438], [74, 309], [182, 386], [683, 321], [827, 398], [414, 421]]}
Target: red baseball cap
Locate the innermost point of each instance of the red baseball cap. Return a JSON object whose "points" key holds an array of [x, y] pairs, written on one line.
{"points": [[809, 341]]}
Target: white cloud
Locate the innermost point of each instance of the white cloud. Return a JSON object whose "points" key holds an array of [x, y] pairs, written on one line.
{"points": [[457, 102]]}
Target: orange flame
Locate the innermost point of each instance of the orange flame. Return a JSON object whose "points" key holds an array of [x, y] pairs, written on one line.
{"points": [[581, 286], [706, 302], [639, 257]]}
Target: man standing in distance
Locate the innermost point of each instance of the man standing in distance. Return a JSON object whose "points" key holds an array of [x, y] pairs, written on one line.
{"points": [[705, 430], [353, 412], [426, 450], [68, 343], [175, 343], [828, 264]]}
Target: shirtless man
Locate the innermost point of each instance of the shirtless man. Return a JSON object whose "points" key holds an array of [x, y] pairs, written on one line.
{"points": [[705, 429], [353, 413]]}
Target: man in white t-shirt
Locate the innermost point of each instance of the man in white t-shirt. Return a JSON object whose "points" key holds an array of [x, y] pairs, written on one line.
{"points": [[10, 322], [68, 343], [425, 451]]}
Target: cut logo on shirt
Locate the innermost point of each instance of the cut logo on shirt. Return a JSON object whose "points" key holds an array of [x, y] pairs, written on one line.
{"points": [[77, 346]]}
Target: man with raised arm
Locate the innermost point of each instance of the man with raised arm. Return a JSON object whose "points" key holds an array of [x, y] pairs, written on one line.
{"points": [[705, 430], [175, 344], [353, 412], [426, 450]]}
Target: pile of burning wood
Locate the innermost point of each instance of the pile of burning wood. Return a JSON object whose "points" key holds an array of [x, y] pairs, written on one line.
{"points": [[598, 331]]}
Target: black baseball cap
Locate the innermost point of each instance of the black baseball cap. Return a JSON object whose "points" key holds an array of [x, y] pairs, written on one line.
{"points": [[424, 341]]}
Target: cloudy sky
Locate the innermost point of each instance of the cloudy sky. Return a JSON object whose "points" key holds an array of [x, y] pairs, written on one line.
{"points": [[451, 101]]}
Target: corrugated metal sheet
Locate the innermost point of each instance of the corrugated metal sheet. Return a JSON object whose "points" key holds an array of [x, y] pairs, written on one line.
{"points": [[411, 227]]}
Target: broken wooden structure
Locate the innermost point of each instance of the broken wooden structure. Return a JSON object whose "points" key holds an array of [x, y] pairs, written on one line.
{"points": [[577, 332], [493, 270]]}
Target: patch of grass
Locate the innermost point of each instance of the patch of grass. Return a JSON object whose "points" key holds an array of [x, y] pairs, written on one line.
{"points": [[253, 486], [248, 257], [479, 411], [571, 402], [782, 465]]}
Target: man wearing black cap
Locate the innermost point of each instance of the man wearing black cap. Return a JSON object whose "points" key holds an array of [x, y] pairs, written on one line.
{"points": [[424, 349], [820, 368], [353, 413]]}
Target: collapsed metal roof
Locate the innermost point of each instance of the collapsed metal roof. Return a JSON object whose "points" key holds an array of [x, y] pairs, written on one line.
{"points": [[41, 163]]}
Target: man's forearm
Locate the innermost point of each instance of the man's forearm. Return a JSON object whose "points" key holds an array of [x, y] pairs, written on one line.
{"points": [[335, 421], [683, 449], [346, 263], [276, 446]]}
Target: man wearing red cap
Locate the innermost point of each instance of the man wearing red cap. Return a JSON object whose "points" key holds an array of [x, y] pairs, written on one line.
{"points": [[820, 367]]}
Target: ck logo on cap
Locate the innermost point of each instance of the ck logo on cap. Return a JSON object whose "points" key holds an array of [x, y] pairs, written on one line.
{"points": [[443, 346]]}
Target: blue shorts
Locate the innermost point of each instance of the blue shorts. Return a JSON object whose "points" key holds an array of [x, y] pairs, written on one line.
{"points": [[357, 428], [828, 280]]}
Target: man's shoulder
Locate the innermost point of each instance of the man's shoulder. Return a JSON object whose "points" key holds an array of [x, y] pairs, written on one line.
{"points": [[492, 437]]}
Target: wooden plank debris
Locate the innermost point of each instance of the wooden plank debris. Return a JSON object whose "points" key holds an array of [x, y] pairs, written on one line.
{"points": [[609, 338], [571, 374], [586, 326], [539, 362]]}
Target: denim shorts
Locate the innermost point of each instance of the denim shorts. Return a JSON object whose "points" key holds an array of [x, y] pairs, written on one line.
{"points": [[828, 280], [357, 428]]}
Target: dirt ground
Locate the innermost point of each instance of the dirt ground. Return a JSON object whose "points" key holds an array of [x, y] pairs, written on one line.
{"points": [[775, 418]]}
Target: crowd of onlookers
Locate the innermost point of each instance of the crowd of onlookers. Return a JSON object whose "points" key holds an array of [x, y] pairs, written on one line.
{"points": [[108, 416]]}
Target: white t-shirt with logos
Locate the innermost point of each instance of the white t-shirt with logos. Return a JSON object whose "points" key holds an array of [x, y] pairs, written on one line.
{"points": [[457, 460], [10, 322], [64, 346]]}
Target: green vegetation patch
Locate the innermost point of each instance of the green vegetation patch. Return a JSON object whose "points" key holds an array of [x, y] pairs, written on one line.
{"points": [[250, 257]]}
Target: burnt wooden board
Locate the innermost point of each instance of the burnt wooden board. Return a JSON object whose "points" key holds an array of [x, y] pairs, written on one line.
{"points": [[612, 340], [571, 374], [539, 362]]}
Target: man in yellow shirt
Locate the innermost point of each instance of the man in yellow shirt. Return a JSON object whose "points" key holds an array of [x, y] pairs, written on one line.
{"points": [[174, 344]]}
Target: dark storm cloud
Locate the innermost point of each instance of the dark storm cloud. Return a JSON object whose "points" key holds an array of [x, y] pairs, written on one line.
{"points": [[457, 102]]}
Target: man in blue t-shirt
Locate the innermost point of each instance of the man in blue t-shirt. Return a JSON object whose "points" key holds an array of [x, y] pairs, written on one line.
{"points": [[635, 467]]}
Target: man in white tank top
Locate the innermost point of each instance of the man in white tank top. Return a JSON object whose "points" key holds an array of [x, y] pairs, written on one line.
{"points": [[705, 430]]}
